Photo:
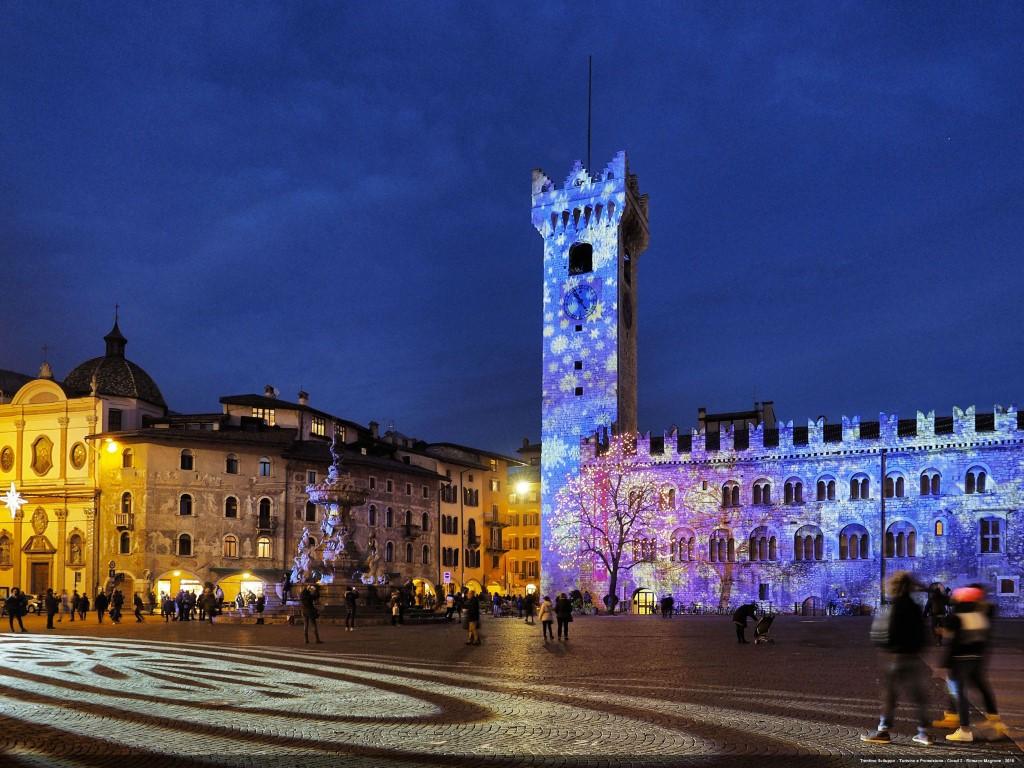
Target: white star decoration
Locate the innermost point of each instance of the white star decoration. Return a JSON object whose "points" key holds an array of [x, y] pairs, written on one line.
{"points": [[13, 500]]}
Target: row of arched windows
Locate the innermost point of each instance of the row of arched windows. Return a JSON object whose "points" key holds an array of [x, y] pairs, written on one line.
{"points": [[229, 545], [975, 481], [389, 517]]}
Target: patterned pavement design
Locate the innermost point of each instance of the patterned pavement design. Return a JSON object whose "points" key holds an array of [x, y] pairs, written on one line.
{"points": [[199, 696]]}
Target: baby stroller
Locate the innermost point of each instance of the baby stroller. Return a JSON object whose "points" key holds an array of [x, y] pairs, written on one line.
{"points": [[762, 630]]}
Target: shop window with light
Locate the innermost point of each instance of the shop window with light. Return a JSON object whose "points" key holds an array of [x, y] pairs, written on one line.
{"points": [[264, 466], [230, 546], [231, 507], [125, 547], [231, 464], [187, 461], [185, 505], [185, 545], [263, 547], [127, 458]]}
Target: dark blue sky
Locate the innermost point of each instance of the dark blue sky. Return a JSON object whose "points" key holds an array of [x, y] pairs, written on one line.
{"points": [[338, 197]]}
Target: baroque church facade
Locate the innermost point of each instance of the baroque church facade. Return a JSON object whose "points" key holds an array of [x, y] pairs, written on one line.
{"points": [[796, 517]]}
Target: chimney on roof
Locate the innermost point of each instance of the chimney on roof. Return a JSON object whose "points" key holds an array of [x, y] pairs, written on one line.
{"points": [[269, 391], [526, 442], [374, 429], [303, 397]]}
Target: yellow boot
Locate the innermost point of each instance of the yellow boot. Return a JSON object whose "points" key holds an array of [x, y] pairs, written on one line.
{"points": [[996, 723], [949, 720]]}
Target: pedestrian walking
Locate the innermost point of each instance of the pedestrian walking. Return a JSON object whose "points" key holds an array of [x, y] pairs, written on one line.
{"points": [[900, 631], [449, 603], [65, 606], [83, 606], [75, 600], [472, 619], [101, 603], [351, 601], [936, 608], [529, 604], [52, 605], [563, 615], [137, 604], [739, 618], [969, 629], [308, 598], [16, 606], [261, 604], [116, 603], [547, 618]]}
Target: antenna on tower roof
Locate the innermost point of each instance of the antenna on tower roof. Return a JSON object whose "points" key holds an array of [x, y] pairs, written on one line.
{"points": [[590, 83]]}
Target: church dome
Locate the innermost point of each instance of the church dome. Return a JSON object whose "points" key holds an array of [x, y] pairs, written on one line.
{"points": [[113, 374]]}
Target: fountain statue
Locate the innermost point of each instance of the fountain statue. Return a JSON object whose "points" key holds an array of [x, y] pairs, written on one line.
{"points": [[329, 560]]}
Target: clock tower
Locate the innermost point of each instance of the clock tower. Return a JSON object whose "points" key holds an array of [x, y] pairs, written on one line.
{"points": [[594, 229]]}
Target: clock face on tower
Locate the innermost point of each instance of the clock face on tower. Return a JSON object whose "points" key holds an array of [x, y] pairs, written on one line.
{"points": [[580, 301]]}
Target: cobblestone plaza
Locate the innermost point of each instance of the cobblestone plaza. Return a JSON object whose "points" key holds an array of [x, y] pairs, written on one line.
{"points": [[668, 692]]}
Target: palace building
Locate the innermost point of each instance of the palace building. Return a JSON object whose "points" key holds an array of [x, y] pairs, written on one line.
{"points": [[802, 516]]}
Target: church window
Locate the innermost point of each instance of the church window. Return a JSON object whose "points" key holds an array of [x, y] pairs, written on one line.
{"points": [[185, 505], [126, 503], [310, 512], [231, 507], [263, 547], [264, 466], [581, 258], [230, 546], [185, 545], [991, 530], [125, 544], [231, 464], [389, 552], [127, 458], [187, 461], [974, 481], [940, 528]]}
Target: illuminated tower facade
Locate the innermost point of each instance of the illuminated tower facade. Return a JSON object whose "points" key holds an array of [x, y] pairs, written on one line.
{"points": [[594, 229]]}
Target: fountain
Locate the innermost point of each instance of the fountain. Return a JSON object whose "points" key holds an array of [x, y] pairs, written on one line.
{"points": [[333, 560]]}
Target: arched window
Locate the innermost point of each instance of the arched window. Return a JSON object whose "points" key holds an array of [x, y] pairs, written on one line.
{"points": [[931, 482], [389, 517], [185, 505], [975, 480], [408, 518], [231, 464], [371, 515], [990, 530], [471, 529], [681, 545], [231, 507], [187, 461], [389, 552], [895, 486], [722, 547], [853, 542], [125, 547], [581, 258], [763, 545], [793, 491], [127, 458], [264, 521], [310, 512], [901, 540], [762, 492], [408, 553], [264, 466], [126, 503], [731, 494], [860, 487], [185, 545], [230, 546], [426, 555], [826, 488], [424, 521], [666, 499], [263, 547], [808, 543], [940, 528]]}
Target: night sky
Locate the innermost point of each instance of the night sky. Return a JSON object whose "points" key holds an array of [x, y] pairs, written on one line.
{"points": [[337, 197]]}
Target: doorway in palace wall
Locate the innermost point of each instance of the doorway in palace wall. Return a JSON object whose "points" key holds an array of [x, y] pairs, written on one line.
{"points": [[39, 578]]}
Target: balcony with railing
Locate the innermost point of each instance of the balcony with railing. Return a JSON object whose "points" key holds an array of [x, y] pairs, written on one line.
{"points": [[473, 542], [411, 531], [266, 524], [496, 519], [124, 521]]}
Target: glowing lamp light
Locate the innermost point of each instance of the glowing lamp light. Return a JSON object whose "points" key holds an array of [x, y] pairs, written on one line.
{"points": [[246, 575], [13, 500], [522, 487], [177, 573], [111, 446]]}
